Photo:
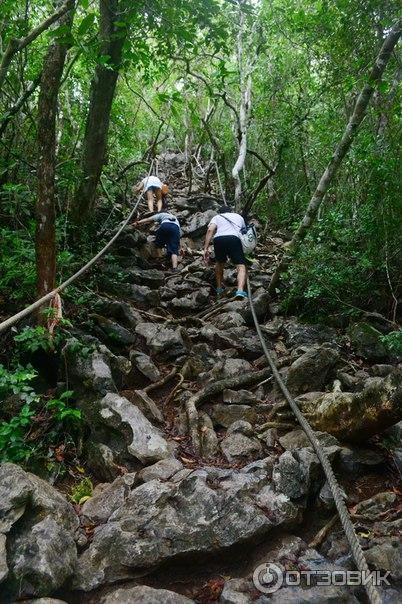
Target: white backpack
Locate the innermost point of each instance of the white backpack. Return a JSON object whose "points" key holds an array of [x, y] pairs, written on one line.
{"points": [[248, 236]]}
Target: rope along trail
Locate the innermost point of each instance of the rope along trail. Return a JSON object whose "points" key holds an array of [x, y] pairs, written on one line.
{"points": [[38, 303], [357, 552]]}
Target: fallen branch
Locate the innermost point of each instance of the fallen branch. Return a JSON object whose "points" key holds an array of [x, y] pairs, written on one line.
{"points": [[175, 389]]}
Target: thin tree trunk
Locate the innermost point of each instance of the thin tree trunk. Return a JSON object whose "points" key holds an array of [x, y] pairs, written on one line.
{"points": [[341, 149], [112, 37], [16, 45], [12, 111], [45, 240], [245, 77]]}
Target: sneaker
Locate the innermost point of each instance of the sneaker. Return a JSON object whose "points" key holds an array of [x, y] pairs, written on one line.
{"points": [[241, 294], [219, 291]]}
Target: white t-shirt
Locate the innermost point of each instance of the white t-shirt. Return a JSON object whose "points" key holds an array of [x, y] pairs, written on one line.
{"points": [[151, 181], [166, 217], [228, 226]]}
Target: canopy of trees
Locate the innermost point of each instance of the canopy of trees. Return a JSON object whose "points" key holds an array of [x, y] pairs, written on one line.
{"points": [[265, 91]]}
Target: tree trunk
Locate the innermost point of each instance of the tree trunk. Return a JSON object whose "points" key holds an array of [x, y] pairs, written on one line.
{"points": [[112, 38], [341, 149], [45, 240], [245, 77]]}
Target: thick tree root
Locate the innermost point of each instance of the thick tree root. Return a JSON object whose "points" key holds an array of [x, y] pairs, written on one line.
{"points": [[211, 390]]}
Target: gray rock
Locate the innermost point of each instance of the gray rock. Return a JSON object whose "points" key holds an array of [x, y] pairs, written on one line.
{"points": [[88, 372], [209, 439], [195, 300], [150, 277], [225, 415], [227, 320], [237, 591], [115, 333], [165, 342], [143, 440], [358, 461], [386, 554], [40, 570], [297, 334], [139, 294], [116, 309], [311, 371], [145, 404], [331, 594], [242, 427], [198, 224], [381, 370], [206, 512], [269, 437], [101, 461], [238, 445], [32, 511], [238, 397], [161, 470], [297, 439], [230, 368], [142, 594], [145, 365], [366, 342], [370, 509], [46, 601], [298, 473], [106, 498]]}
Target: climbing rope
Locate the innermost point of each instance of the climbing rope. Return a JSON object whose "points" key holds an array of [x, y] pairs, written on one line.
{"points": [[38, 303], [357, 552]]}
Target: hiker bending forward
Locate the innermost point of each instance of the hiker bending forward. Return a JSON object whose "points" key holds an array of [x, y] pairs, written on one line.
{"points": [[151, 185], [167, 235], [225, 229]]}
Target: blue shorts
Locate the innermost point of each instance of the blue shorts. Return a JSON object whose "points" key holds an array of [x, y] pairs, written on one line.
{"points": [[168, 235]]}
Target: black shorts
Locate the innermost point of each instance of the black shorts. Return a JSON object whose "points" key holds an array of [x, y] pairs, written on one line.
{"points": [[168, 235], [229, 246]]}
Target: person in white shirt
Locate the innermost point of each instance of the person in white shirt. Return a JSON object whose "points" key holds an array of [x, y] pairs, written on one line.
{"points": [[225, 229], [167, 235], [151, 185]]}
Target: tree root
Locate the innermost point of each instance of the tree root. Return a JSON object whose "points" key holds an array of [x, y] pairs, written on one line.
{"points": [[175, 389], [161, 382], [323, 533], [211, 390]]}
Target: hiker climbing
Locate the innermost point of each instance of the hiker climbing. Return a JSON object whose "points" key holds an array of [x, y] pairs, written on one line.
{"points": [[152, 186], [167, 235], [225, 229]]}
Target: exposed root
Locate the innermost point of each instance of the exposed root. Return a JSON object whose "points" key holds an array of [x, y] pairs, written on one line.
{"points": [[161, 382], [322, 534], [211, 390], [175, 389]]}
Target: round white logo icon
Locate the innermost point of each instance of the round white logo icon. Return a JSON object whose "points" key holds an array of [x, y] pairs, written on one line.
{"points": [[268, 577]]}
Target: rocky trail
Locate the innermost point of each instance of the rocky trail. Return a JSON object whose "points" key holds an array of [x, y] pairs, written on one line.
{"points": [[201, 472]]}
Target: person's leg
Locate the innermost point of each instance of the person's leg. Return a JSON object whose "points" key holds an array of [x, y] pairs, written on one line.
{"points": [[241, 277], [173, 242], [174, 258], [219, 268], [159, 202], [150, 200]]}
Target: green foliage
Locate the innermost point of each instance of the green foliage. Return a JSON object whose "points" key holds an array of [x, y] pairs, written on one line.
{"points": [[37, 424], [61, 410], [82, 491], [393, 342], [32, 339], [13, 444]]}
